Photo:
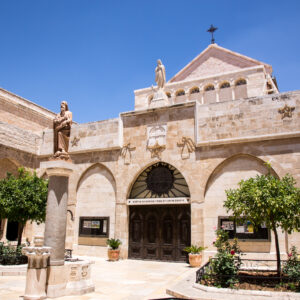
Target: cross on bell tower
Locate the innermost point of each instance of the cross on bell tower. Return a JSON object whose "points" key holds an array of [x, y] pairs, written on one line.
{"points": [[212, 29]]}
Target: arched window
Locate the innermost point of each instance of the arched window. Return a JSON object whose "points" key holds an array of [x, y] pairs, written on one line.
{"points": [[180, 93], [168, 94], [160, 180], [240, 81], [209, 87], [224, 85], [194, 90]]}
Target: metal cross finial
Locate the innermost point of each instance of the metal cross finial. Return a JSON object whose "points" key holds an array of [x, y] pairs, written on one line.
{"points": [[212, 29]]}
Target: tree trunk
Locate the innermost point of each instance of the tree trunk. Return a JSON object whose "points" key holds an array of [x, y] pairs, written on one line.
{"points": [[277, 250], [20, 232]]}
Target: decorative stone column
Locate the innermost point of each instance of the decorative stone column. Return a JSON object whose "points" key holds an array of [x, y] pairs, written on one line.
{"points": [[36, 272], [56, 220]]}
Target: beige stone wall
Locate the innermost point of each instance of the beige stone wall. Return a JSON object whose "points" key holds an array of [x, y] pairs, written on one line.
{"points": [[15, 137], [22, 113], [246, 119], [87, 137]]}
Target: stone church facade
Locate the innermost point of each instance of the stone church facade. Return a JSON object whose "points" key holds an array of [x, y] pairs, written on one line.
{"points": [[156, 177]]}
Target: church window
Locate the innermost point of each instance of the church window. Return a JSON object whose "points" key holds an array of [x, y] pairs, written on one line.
{"points": [[209, 87], [180, 93], [194, 90], [168, 94], [241, 81], [224, 85], [160, 180]]}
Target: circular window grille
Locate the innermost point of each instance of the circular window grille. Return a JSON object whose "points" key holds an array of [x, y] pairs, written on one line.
{"points": [[160, 180]]}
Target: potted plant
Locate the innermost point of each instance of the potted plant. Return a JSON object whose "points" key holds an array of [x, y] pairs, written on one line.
{"points": [[113, 250], [195, 255]]}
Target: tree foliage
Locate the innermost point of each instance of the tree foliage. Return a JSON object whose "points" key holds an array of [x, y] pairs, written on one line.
{"points": [[23, 198], [267, 200]]}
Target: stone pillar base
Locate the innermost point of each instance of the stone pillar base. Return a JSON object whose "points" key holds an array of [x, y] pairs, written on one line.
{"points": [[57, 281], [73, 278], [159, 99], [35, 285], [36, 272]]}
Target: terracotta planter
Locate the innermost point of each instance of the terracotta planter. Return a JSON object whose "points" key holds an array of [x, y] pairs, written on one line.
{"points": [[113, 255], [195, 260]]}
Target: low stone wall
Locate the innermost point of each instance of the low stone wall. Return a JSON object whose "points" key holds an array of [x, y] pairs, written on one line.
{"points": [[232, 294], [13, 270]]}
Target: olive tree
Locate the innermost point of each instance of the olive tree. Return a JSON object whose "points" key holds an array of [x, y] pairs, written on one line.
{"points": [[267, 200], [23, 198]]}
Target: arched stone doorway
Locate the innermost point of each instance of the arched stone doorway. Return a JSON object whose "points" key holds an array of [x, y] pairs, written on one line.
{"points": [[159, 214]]}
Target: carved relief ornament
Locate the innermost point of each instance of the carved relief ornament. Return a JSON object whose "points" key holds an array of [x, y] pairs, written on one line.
{"points": [[156, 150], [286, 111], [126, 153], [188, 146]]}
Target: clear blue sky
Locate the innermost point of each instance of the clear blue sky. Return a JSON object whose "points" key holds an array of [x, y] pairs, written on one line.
{"points": [[94, 54]]}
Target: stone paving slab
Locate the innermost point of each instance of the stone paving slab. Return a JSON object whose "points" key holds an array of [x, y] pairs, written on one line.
{"points": [[122, 280]]}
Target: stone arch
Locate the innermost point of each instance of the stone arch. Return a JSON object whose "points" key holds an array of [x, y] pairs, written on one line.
{"points": [[225, 176], [95, 197], [240, 89], [108, 174], [228, 160], [182, 191], [180, 92], [224, 84], [168, 94], [240, 81], [8, 165], [209, 87], [194, 90]]}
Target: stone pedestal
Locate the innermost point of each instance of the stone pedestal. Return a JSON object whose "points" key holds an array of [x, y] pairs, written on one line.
{"points": [[159, 99], [36, 272], [70, 278]]}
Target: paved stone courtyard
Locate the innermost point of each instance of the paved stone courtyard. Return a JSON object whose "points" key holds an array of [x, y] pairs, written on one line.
{"points": [[125, 279]]}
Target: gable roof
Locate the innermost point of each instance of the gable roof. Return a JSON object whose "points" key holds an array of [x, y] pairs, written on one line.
{"points": [[214, 60]]}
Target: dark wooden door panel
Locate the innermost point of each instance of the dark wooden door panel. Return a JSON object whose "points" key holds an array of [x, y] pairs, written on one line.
{"points": [[159, 232]]}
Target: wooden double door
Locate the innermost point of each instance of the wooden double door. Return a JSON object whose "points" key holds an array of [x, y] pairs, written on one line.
{"points": [[159, 232]]}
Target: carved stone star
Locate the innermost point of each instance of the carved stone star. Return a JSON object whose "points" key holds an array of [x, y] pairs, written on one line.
{"points": [[286, 111], [156, 150]]}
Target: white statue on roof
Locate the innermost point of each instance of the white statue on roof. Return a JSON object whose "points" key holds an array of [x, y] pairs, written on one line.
{"points": [[160, 74]]}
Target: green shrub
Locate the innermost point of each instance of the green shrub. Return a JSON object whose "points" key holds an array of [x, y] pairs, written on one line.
{"points": [[113, 243], [223, 270], [194, 249], [292, 267], [12, 255]]}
